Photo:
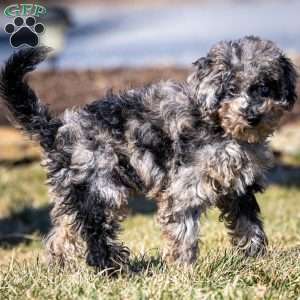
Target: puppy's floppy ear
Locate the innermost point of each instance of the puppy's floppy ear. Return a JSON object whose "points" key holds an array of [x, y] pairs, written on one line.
{"points": [[289, 80], [206, 82], [203, 66], [199, 62]]}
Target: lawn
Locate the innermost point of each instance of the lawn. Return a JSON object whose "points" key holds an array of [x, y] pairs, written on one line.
{"points": [[219, 273]]}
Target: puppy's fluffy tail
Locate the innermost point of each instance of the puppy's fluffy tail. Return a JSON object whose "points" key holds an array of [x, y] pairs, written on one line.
{"points": [[27, 110]]}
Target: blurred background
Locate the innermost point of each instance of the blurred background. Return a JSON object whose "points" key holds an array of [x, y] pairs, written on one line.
{"points": [[119, 44]]}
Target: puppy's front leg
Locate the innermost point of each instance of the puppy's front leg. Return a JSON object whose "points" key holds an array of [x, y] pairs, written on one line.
{"points": [[181, 230], [241, 215]]}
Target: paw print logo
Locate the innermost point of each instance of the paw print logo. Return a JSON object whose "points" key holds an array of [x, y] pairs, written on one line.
{"points": [[24, 32]]}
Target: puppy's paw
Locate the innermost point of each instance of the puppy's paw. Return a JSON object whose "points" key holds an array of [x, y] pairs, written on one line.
{"points": [[253, 244], [113, 261]]}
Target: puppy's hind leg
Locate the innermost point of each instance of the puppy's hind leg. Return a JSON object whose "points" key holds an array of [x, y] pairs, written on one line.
{"points": [[63, 243], [241, 215], [92, 196], [98, 216]]}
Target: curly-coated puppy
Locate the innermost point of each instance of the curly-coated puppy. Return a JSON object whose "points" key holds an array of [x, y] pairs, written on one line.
{"points": [[189, 145]]}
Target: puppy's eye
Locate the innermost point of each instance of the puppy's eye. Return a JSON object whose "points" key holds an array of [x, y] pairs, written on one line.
{"points": [[264, 91]]}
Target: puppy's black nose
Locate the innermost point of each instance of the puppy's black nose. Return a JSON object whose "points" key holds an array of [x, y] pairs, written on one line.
{"points": [[253, 120]]}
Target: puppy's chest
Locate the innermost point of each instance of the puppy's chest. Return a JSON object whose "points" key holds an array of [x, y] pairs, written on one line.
{"points": [[231, 166], [218, 169]]}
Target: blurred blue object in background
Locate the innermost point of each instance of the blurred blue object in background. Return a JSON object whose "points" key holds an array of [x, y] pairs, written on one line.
{"points": [[57, 22]]}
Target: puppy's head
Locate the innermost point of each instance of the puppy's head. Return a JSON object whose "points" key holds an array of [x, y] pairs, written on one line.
{"points": [[245, 86]]}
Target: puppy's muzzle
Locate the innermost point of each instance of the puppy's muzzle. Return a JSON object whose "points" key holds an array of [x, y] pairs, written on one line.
{"points": [[253, 120], [252, 114]]}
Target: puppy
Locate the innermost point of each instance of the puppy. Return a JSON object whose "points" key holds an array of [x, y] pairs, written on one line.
{"points": [[188, 145]]}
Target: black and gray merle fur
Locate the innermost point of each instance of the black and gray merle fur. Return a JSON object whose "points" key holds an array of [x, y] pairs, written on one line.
{"points": [[188, 145]]}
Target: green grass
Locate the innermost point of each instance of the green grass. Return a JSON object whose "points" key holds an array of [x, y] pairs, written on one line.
{"points": [[219, 273]]}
